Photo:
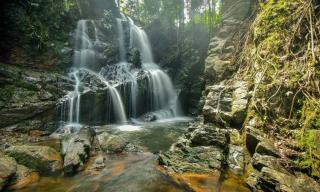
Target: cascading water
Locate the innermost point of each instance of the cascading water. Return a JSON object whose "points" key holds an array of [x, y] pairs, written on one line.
{"points": [[164, 99], [124, 66], [159, 94], [84, 60]]}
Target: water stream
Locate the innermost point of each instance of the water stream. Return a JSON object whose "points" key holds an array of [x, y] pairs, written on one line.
{"points": [[161, 98]]}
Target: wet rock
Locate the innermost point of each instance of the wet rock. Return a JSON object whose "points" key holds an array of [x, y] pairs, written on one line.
{"points": [[273, 180], [239, 102], [236, 159], [28, 125], [218, 105], [9, 116], [194, 160], [99, 163], [131, 148], [37, 133], [76, 149], [226, 104], [26, 93], [112, 143], [210, 136], [8, 168], [252, 181], [260, 161], [23, 177], [266, 148], [253, 136], [44, 159], [149, 117]]}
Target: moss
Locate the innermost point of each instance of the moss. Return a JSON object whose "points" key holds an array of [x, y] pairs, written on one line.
{"points": [[311, 115], [309, 141]]}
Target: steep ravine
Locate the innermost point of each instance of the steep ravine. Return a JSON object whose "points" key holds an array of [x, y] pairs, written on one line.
{"points": [[258, 121], [258, 126]]}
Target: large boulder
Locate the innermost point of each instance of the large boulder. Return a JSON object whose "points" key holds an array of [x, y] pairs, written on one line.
{"points": [[226, 104], [273, 180], [194, 160], [112, 143], [210, 136], [8, 168], [76, 149], [202, 150], [44, 159]]}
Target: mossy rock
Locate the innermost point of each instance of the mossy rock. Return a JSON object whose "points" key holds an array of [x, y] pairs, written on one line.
{"points": [[44, 159]]}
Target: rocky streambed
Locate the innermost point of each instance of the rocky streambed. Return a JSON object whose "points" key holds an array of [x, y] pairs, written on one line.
{"points": [[106, 158]]}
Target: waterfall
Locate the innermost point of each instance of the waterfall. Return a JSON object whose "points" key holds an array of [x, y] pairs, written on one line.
{"points": [[158, 95], [123, 65], [122, 50], [164, 99], [75, 99], [84, 60]]}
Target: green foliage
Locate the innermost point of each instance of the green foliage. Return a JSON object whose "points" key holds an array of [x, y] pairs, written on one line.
{"points": [[309, 141], [175, 12], [37, 24], [281, 62], [108, 17]]}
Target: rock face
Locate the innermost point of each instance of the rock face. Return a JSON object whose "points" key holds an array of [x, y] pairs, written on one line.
{"points": [[226, 105], [8, 168], [272, 172], [26, 93], [218, 64], [76, 149], [41, 158], [253, 136], [272, 180], [202, 151]]}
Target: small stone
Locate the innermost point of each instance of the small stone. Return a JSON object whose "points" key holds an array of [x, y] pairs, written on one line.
{"points": [[99, 163]]}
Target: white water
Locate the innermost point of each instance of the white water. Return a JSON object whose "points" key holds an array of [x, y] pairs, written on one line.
{"points": [[122, 50], [84, 59], [115, 97], [164, 98], [75, 99], [124, 66]]}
